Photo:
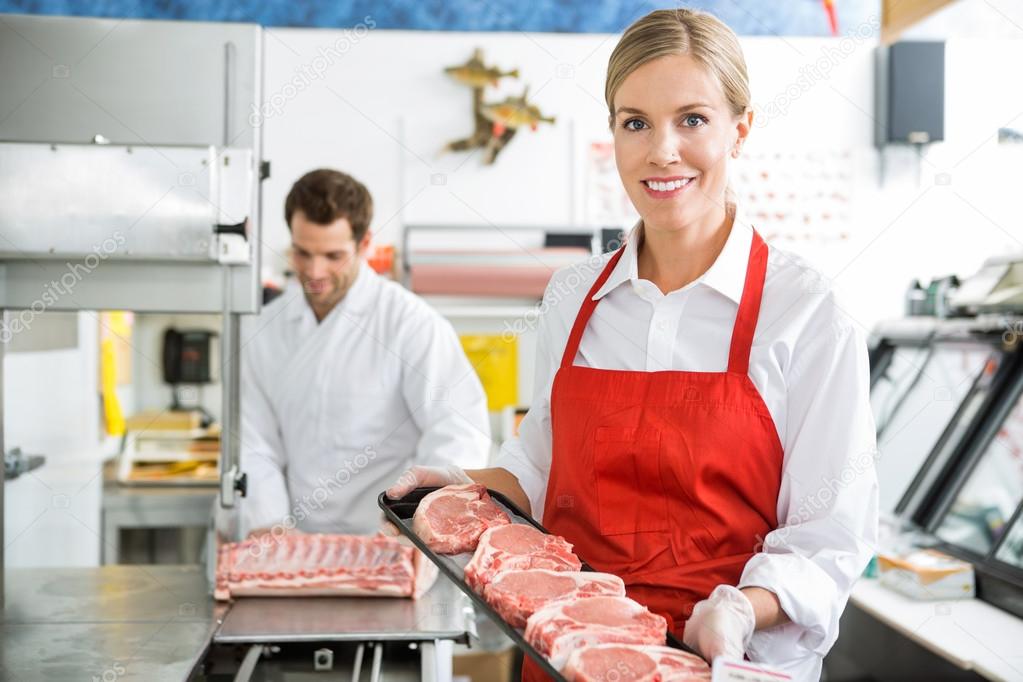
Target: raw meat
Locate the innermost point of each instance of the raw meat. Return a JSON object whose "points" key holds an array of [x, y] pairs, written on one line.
{"points": [[632, 663], [297, 564], [562, 627], [451, 520], [518, 546], [516, 595]]}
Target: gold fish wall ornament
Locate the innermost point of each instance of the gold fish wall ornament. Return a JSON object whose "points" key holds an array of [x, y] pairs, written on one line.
{"points": [[514, 112], [496, 122], [474, 74]]}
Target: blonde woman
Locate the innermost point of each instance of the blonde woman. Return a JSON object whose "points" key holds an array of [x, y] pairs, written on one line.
{"points": [[701, 425]]}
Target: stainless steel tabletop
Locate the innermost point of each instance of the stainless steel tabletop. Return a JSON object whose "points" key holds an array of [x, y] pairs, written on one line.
{"points": [[154, 622], [442, 613], [111, 622]]}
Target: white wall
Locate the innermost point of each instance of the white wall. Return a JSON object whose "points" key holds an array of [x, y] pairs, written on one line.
{"points": [[384, 111], [987, 19], [385, 108], [938, 229], [51, 407]]}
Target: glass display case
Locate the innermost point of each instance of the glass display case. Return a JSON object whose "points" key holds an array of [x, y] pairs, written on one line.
{"points": [[973, 504], [947, 397], [1011, 550], [979, 513], [924, 401]]}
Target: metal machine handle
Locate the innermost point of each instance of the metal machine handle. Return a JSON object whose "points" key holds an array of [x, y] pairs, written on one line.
{"points": [[17, 463], [232, 481], [236, 228]]}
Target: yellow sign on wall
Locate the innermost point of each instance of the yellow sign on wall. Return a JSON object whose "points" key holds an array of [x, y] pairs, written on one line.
{"points": [[495, 359]]}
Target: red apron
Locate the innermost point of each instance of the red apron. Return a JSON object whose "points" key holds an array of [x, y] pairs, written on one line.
{"points": [[667, 479]]}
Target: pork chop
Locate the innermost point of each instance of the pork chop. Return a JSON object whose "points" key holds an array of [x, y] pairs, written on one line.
{"points": [[561, 628], [518, 546], [451, 520]]}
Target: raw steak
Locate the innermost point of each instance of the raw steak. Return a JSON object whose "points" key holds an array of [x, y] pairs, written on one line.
{"points": [[516, 595], [518, 546], [297, 564], [562, 627], [451, 520], [633, 663]]}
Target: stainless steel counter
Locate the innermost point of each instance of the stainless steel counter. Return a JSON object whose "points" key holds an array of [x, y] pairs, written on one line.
{"points": [[443, 613], [110, 623], [349, 628], [155, 622]]}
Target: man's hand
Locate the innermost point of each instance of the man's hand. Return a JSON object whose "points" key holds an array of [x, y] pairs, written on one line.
{"points": [[420, 477], [721, 625]]}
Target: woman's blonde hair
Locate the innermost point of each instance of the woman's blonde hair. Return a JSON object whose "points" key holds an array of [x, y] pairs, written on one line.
{"points": [[666, 32]]}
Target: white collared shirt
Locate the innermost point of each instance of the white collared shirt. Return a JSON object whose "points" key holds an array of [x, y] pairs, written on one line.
{"points": [[809, 363], [333, 412]]}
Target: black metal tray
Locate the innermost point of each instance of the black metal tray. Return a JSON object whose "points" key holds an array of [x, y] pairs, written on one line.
{"points": [[400, 513]]}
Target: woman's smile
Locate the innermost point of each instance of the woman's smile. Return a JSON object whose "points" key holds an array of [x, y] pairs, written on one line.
{"points": [[668, 187]]}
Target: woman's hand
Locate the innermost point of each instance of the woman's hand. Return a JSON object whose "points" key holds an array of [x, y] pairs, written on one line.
{"points": [[421, 477], [721, 625], [497, 479]]}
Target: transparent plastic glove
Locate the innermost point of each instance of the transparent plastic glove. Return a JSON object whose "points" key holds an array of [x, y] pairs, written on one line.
{"points": [[388, 529], [721, 625], [420, 477]]}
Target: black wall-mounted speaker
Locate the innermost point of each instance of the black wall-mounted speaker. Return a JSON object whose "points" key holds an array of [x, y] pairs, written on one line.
{"points": [[910, 93]]}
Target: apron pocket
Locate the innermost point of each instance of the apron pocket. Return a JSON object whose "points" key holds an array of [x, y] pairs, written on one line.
{"points": [[630, 494]]}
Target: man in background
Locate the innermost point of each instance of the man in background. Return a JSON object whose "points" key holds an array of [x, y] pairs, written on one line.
{"points": [[347, 378]]}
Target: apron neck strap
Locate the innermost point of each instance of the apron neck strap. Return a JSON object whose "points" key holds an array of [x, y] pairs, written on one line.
{"points": [[586, 310], [749, 307], [745, 319]]}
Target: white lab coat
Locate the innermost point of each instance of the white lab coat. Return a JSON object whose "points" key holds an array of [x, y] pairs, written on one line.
{"points": [[809, 364], [333, 412]]}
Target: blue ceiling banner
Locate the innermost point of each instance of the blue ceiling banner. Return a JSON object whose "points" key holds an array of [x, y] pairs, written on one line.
{"points": [[746, 17]]}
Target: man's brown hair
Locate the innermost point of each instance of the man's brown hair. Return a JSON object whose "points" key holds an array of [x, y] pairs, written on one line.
{"points": [[325, 195]]}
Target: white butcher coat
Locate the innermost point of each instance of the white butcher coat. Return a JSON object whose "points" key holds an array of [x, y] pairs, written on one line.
{"points": [[333, 412]]}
